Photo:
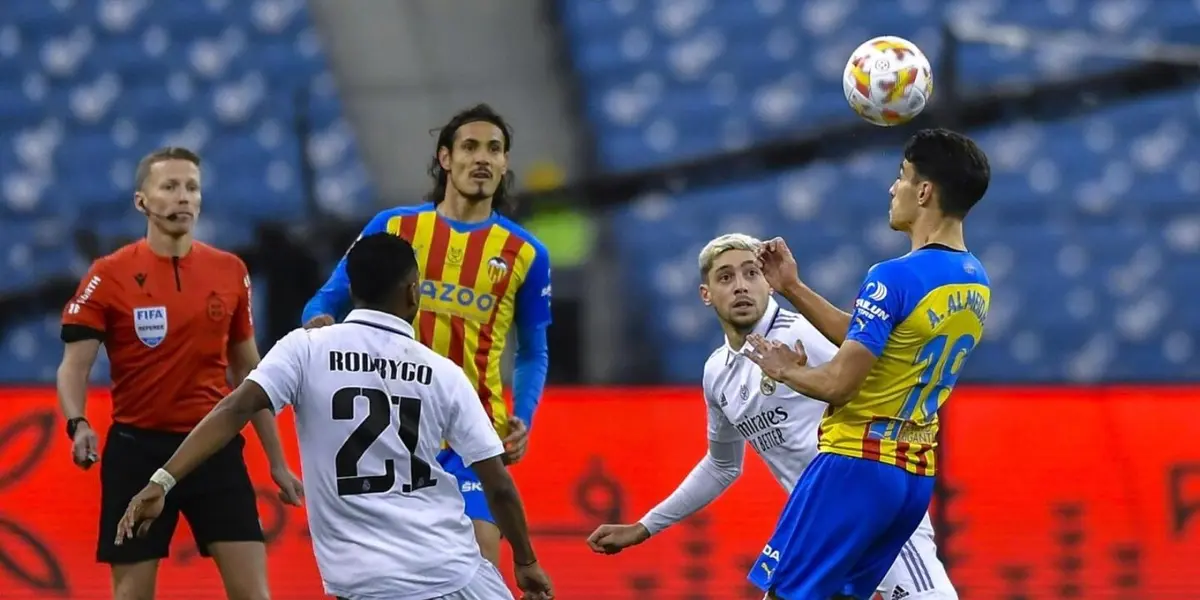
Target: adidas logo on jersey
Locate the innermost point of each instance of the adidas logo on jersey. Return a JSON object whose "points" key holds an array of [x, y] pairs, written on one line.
{"points": [[898, 593]]}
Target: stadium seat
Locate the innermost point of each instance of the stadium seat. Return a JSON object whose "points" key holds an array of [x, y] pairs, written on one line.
{"points": [[1090, 232], [87, 88], [665, 81]]}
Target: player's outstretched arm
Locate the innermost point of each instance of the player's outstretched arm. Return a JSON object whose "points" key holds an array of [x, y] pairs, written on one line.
{"points": [[332, 301], [885, 298], [780, 269], [218, 427], [213, 433], [471, 433], [835, 382], [707, 481], [830, 320], [505, 502]]}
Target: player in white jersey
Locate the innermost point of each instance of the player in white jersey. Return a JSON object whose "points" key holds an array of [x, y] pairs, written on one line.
{"points": [[779, 424], [372, 408]]}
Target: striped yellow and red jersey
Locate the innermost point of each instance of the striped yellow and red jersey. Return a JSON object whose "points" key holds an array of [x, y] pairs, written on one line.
{"points": [[477, 281], [921, 314]]}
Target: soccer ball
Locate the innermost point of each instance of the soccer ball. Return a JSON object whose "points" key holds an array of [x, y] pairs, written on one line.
{"points": [[888, 81]]}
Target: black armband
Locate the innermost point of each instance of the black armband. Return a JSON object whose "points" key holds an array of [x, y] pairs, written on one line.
{"points": [[79, 333]]}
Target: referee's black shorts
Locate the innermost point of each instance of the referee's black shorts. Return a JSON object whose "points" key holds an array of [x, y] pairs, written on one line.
{"points": [[217, 498]]}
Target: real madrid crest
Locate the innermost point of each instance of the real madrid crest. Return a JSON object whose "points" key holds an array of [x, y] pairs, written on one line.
{"points": [[767, 385]]}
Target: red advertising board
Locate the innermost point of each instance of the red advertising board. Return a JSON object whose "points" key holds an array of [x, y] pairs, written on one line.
{"points": [[1054, 493]]}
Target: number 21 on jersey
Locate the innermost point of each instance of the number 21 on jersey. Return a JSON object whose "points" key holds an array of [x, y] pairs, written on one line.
{"points": [[379, 417], [938, 376]]}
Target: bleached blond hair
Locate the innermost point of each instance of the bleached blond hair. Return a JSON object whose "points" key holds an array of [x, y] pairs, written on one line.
{"points": [[721, 245]]}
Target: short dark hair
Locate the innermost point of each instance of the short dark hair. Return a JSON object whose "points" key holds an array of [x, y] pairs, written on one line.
{"points": [[377, 265], [503, 200], [162, 155], [954, 163]]}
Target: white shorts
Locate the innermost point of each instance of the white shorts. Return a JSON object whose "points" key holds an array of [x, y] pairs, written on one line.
{"points": [[917, 573], [486, 585]]}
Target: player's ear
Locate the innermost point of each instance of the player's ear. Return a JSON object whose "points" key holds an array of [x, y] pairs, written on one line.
{"points": [[924, 193], [444, 158], [414, 294], [139, 202], [705, 296]]}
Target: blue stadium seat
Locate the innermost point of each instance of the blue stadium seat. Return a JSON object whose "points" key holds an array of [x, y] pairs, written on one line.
{"points": [[87, 88], [664, 81], [1090, 233]]}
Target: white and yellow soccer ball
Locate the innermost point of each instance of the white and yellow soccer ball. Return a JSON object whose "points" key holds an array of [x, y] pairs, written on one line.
{"points": [[888, 81]]}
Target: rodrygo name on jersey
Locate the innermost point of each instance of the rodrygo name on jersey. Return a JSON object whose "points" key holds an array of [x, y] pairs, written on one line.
{"points": [[372, 407]]}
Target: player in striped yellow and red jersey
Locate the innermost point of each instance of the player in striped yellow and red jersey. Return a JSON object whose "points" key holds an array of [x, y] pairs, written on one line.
{"points": [[481, 274]]}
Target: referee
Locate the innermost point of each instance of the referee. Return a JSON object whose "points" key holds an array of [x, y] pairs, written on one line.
{"points": [[174, 317]]}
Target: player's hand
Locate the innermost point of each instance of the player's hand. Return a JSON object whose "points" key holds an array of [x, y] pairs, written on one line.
{"points": [[534, 582], [291, 489], [516, 442], [83, 447], [146, 506], [778, 264], [318, 322], [774, 358], [611, 539]]}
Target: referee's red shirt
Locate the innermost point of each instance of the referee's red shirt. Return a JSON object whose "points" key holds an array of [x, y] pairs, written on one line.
{"points": [[166, 324]]}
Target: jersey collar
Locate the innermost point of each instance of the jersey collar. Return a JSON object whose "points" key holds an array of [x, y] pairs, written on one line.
{"points": [[381, 318], [762, 327]]}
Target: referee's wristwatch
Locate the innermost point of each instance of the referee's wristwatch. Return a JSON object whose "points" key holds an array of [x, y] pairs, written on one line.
{"points": [[73, 425]]}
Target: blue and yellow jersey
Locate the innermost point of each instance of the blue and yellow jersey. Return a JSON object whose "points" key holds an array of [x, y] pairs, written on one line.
{"points": [[477, 281], [921, 314]]}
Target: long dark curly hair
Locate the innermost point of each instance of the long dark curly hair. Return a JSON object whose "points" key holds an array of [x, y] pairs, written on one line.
{"points": [[503, 200]]}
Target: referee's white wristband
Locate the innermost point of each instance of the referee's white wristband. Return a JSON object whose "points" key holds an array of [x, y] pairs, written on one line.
{"points": [[163, 478]]}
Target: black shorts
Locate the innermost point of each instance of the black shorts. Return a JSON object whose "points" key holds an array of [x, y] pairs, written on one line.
{"points": [[217, 498]]}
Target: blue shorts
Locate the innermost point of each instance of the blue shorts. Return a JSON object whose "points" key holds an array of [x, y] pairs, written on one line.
{"points": [[842, 528], [468, 483]]}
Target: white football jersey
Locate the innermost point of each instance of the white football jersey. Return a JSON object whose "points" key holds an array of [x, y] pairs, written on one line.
{"points": [[779, 424], [372, 408]]}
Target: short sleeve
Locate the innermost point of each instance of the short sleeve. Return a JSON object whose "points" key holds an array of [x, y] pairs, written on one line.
{"points": [[719, 427], [281, 371], [86, 315], [533, 299], [469, 431], [242, 326], [880, 305]]}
